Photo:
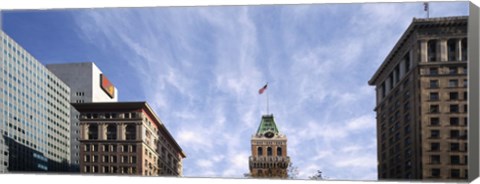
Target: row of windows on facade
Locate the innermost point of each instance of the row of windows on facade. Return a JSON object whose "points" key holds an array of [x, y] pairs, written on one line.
{"points": [[110, 169], [125, 159], [453, 108], [32, 63], [111, 133], [454, 160], [453, 134], [433, 71], [455, 51], [126, 115], [434, 173], [55, 150], [452, 147], [110, 148], [435, 96], [269, 151], [282, 165], [453, 173], [18, 96], [270, 143], [19, 87], [397, 97], [399, 71], [453, 121], [17, 82]]}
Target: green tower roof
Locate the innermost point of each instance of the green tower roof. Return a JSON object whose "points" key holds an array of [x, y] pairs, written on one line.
{"points": [[267, 125]]}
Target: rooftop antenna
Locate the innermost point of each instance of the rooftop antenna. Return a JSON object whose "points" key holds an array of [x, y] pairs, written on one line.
{"points": [[427, 9]]}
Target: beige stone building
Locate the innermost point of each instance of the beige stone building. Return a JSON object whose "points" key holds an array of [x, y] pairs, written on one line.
{"points": [[126, 138], [421, 91], [269, 151]]}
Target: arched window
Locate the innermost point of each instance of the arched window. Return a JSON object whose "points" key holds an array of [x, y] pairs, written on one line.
{"points": [[260, 151], [432, 50], [130, 132], [112, 132], [451, 50], [269, 151], [93, 132], [279, 151]]}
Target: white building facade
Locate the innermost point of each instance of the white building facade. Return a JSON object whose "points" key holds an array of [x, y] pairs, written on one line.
{"points": [[87, 84]]}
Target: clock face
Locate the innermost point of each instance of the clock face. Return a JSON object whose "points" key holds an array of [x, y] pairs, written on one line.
{"points": [[269, 134]]}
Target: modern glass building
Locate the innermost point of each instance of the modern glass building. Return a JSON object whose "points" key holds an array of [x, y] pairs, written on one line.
{"points": [[34, 113]]}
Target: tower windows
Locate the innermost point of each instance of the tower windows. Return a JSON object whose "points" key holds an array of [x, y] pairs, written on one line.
{"points": [[260, 151], [269, 151], [279, 151]]}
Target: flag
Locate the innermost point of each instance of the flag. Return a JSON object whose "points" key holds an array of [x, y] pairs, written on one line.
{"points": [[425, 6], [262, 89]]}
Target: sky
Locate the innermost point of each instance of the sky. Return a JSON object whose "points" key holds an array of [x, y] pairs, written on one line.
{"points": [[200, 68]]}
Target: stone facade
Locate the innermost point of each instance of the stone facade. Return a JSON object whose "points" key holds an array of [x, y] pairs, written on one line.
{"points": [[126, 138]]}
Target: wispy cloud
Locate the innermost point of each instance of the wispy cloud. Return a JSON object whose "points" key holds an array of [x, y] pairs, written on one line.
{"points": [[201, 68]]}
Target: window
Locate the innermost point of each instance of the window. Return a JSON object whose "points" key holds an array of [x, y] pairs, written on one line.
{"points": [[465, 108], [111, 132], [434, 96], [433, 71], [433, 83], [465, 95], [130, 132], [453, 95], [435, 172], [455, 173], [454, 108], [260, 151], [454, 147], [432, 50], [434, 146], [434, 134], [434, 109], [451, 49], [465, 83], [279, 151], [434, 121], [453, 83], [454, 121], [269, 151], [435, 159], [93, 132], [454, 159], [452, 70], [454, 134]]}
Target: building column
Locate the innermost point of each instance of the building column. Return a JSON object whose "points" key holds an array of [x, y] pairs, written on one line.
{"points": [[423, 51], [458, 50], [443, 50], [102, 131], [121, 131]]}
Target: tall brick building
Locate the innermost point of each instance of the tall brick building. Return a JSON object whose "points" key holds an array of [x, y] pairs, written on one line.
{"points": [[421, 103]]}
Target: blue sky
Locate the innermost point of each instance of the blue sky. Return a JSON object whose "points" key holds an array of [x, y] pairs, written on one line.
{"points": [[200, 68]]}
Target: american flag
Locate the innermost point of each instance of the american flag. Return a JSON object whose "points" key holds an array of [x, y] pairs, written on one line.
{"points": [[262, 89]]}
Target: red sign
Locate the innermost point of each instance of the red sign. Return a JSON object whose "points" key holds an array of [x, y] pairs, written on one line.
{"points": [[107, 86]]}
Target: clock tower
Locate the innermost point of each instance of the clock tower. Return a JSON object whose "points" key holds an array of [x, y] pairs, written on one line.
{"points": [[269, 151]]}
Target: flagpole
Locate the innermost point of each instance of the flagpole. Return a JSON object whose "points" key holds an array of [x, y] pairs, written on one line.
{"points": [[267, 100]]}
